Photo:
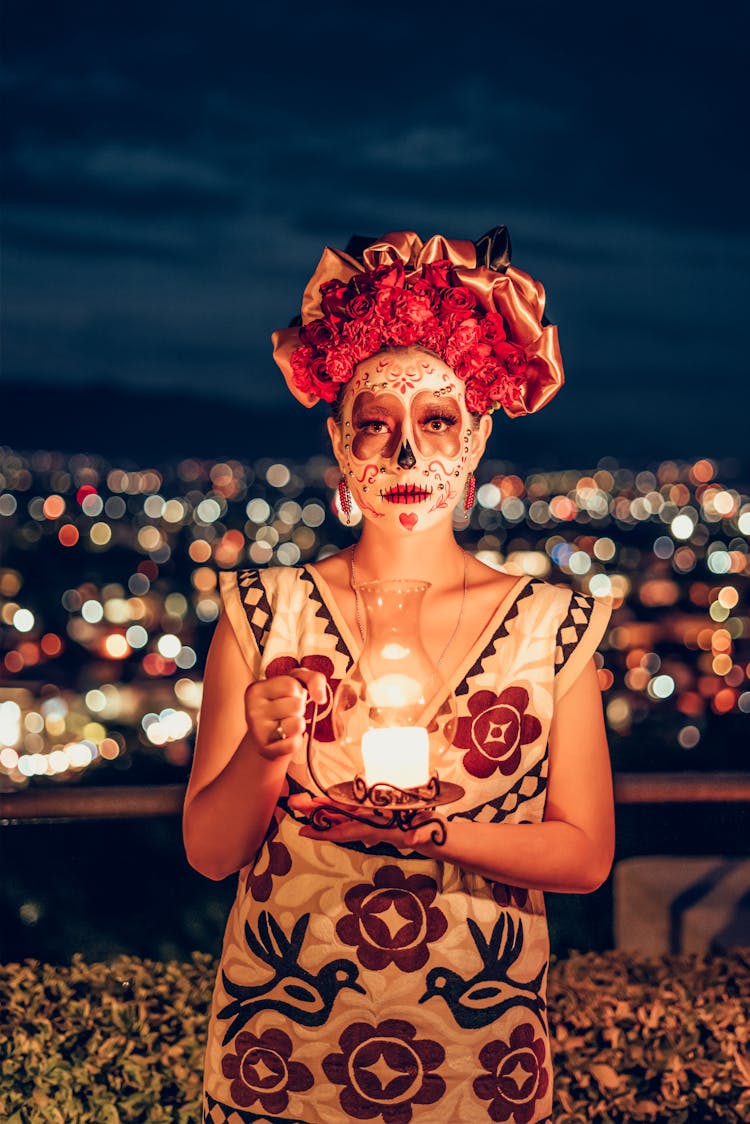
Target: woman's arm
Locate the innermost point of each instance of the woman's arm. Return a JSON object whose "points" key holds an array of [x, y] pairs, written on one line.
{"points": [[238, 765], [571, 851]]}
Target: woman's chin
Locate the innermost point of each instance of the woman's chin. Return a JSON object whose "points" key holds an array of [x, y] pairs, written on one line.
{"points": [[407, 519]]}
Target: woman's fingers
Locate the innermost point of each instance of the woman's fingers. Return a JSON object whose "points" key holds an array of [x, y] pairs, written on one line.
{"points": [[278, 687], [314, 681], [341, 828], [305, 804], [275, 710]]}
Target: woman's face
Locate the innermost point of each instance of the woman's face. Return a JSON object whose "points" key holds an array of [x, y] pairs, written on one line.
{"points": [[406, 441]]}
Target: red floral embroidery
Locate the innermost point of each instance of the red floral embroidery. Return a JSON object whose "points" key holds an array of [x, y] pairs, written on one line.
{"points": [[496, 731], [515, 1078], [262, 1069], [273, 860], [283, 665], [510, 895], [385, 1071], [391, 920]]}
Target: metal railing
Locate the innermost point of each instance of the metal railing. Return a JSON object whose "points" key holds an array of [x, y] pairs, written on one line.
{"points": [[61, 805]]}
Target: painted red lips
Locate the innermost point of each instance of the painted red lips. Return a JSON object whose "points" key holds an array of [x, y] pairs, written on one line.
{"points": [[407, 493]]}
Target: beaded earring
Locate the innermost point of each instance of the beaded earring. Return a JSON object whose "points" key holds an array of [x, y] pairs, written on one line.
{"points": [[345, 499], [471, 491]]}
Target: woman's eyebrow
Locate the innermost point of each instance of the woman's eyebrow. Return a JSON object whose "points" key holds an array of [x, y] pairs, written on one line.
{"points": [[369, 409], [438, 404]]}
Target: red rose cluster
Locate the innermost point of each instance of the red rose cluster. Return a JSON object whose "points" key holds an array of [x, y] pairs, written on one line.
{"points": [[429, 307]]}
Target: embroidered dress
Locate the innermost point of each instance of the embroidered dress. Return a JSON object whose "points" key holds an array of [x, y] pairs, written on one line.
{"points": [[361, 983]]}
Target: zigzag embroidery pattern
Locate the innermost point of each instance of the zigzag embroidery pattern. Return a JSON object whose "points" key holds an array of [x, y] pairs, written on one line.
{"points": [[500, 634], [526, 788], [256, 605], [322, 612], [572, 629], [214, 1112]]}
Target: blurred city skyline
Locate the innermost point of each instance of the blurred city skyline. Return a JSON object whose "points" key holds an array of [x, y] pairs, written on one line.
{"points": [[109, 594], [172, 174]]}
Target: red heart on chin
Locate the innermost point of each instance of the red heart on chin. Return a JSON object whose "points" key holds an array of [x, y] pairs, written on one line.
{"points": [[408, 520]]}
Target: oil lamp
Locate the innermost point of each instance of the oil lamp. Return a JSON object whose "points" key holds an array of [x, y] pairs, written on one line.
{"points": [[393, 716]]}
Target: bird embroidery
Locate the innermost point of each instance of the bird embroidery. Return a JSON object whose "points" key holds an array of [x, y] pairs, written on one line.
{"points": [[304, 997], [477, 1002]]}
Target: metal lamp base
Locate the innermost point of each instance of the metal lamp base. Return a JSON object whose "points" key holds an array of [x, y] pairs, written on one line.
{"points": [[387, 805]]}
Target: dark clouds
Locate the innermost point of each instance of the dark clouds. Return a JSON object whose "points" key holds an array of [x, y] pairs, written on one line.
{"points": [[172, 172]]}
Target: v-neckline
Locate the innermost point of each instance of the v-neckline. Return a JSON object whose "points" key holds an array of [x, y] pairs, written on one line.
{"points": [[353, 644]]}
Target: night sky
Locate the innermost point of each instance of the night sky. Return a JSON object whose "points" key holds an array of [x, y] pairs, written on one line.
{"points": [[173, 170]]}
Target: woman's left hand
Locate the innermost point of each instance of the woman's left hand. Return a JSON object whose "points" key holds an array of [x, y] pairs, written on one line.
{"points": [[343, 829]]}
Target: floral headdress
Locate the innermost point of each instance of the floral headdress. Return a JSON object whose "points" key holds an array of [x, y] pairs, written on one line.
{"points": [[462, 300]]}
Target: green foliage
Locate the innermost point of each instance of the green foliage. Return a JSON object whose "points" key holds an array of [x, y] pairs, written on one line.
{"points": [[103, 1043], [633, 1039], [662, 1039]]}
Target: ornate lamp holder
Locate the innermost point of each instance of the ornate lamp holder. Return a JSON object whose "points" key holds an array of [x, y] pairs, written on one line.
{"points": [[391, 714]]}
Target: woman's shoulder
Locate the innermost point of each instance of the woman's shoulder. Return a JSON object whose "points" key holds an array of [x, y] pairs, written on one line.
{"points": [[558, 603], [500, 583]]}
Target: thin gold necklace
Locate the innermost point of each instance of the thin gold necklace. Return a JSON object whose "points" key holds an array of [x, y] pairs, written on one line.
{"points": [[451, 638]]}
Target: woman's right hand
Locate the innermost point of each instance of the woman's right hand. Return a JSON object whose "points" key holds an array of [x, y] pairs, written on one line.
{"points": [[275, 711]]}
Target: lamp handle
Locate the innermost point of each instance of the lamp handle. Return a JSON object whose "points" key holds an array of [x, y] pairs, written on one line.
{"points": [[308, 752]]}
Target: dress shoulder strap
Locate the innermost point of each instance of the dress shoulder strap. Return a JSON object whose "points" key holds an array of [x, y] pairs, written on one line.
{"points": [[250, 599], [578, 636]]}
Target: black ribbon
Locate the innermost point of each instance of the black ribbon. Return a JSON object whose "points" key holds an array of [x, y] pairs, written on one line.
{"points": [[494, 249]]}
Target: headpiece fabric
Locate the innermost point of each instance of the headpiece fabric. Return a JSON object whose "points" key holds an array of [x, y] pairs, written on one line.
{"points": [[459, 299]]}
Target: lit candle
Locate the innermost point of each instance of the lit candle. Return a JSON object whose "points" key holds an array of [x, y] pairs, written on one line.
{"points": [[396, 755]]}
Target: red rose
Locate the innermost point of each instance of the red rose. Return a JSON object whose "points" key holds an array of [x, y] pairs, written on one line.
{"points": [[389, 276], [457, 304], [411, 307], [318, 333], [433, 335], [384, 303], [300, 361], [361, 307], [485, 372], [512, 357], [364, 337], [471, 364], [463, 339], [309, 374], [334, 297], [507, 391], [493, 328], [401, 333], [339, 364], [439, 273], [477, 398], [327, 390], [422, 288]]}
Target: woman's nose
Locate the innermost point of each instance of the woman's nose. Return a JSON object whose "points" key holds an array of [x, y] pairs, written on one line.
{"points": [[406, 458]]}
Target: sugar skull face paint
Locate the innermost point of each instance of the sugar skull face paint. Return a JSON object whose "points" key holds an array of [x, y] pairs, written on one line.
{"points": [[406, 441]]}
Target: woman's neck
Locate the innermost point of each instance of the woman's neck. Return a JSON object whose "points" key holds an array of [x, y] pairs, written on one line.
{"points": [[433, 555]]}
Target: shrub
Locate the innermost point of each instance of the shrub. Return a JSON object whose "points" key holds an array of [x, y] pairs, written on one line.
{"points": [[633, 1039]]}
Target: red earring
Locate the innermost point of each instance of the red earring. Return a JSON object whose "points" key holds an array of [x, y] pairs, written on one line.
{"points": [[345, 499], [471, 491]]}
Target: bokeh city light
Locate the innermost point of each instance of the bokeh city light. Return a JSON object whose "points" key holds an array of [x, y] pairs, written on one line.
{"points": [[109, 590]]}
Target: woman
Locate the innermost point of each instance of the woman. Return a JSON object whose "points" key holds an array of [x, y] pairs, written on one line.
{"points": [[369, 973]]}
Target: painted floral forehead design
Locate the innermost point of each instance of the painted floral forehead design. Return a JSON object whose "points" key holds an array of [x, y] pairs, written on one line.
{"points": [[462, 300]]}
